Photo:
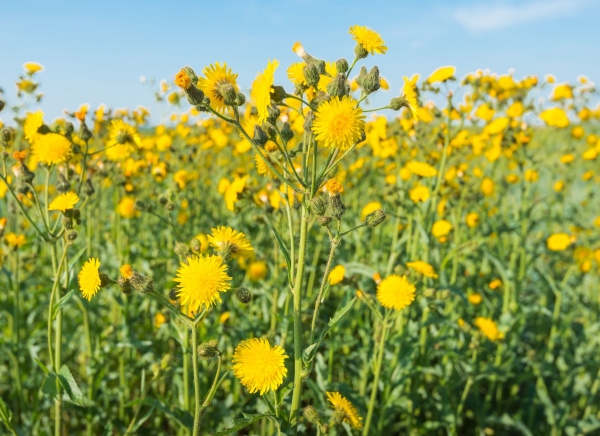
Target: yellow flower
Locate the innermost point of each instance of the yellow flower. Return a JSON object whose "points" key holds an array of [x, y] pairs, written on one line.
{"points": [[120, 132], [216, 76], [488, 327], [200, 281], [231, 192], [295, 73], [89, 278], [441, 74], [567, 158], [51, 148], [32, 67], [15, 241], [257, 271], [441, 228], [423, 268], [159, 320], [334, 187], [370, 207], [224, 317], [64, 202], [370, 40], [487, 187], [419, 193], [559, 185], [555, 117], [531, 175], [261, 90], [475, 299], [259, 367], [33, 122], [410, 95], [126, 271], [562, 92], [126, 208], [421, 169], [336, 275], [472, 219], [181, 178], [495, 284], [342, 405], [229, 242], [339, 123], [395, 292], [558, 242]]}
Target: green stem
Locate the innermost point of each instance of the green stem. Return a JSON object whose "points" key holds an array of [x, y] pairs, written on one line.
{"points": [[378, 363], [198, 406], [334, 244]]}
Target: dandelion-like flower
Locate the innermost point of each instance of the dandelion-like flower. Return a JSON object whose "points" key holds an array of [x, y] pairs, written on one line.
{"points": [[395, 292], [341, 404], [33, 122], [201, 280], [231, 193], [334, 187], [295, 73], [64, 202], [558, 242], [410, 95], [89, 278], [422, 169], [337, 275], [261, 90], [229, 242], [51, 148], [339, 123], [216, 76], [441, 74], [258, 366], [369, 39], [15, 241], [488, 328], [120, 132], [423, 268]]}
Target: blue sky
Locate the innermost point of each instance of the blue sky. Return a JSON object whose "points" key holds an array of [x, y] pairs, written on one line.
{"points": [[95, 51]]}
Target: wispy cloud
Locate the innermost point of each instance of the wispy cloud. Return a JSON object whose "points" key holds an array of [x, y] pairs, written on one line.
{"points": [[500, 15]]}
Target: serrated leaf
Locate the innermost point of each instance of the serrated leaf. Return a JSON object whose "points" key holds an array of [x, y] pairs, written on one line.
{"points": [[281, 394], [70, 386]]}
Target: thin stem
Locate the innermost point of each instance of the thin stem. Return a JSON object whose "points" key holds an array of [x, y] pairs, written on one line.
{"points": [[378, 364], [198, 406], [334, 244], [213, 388]]}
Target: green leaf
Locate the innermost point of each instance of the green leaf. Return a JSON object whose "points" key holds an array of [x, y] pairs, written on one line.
{"points": [[282, 393], [70, 386], [309, 352], [283, 248], [59, 305], [507, 421], [42, 365], [5, 413], [240, 423], [49, 385]]}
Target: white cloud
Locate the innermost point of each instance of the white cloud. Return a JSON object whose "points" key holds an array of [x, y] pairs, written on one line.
{"points": [[500, 15]]}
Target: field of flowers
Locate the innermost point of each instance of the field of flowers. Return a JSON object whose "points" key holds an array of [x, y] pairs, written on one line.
{"points": [[295, 261]]}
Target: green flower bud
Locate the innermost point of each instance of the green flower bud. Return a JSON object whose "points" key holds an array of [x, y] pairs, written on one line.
{"points": [[272, 133], [308, 120], [260, 137], [88, 188], [322, 97], [286, 132], [338, 417], [362, 75], [372, 82], [69, 128], [243, 295], [311, 74], [311, 415], [84, 132], [105, 280], [336, 207], [360, 52], [72, 235], [278, 93], [6, 136], [208, 349], [274, 113], [375, 218], [228, 93], [341, 65], [195, 245], [318, 206], [2, 105], [429, 293], [324, 220], [240, 99], [338, 87], [25, 175], [62, 185], [182, 250], [191, 74], [195, 96]]}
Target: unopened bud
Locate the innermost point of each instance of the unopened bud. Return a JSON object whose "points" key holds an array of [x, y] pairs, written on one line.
{"points": [[338, 87], [318, 206], [311, 74], [341, 65], [286, 132], [5, 135], [195, 245], [191, 74], [336, 207], [228, 93], [372, 82], [362, 75], [260, 137], [360, 52], [62, 185], [2, 104], [88, 188], [173, 294], [195, 96], [72, 235], [338, 417], [324, 220], [243, 295], [240, 99], [69, 128], [182, 250], [278, 93], [308, 121], [26, 176], [208, 349], [375, 218], [429, 293], [311, 415], [105, 280], [443, 295], [273, 113], [84, 132]]}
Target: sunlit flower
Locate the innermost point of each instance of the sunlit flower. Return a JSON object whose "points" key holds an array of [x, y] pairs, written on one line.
{"points": [[422, 169], [89, 278], [342, 405], [369, 39], [261, 90], [217, 76], [336, 275], [441, 228], [14, 241], [258, 366], [419, 193], [64, 202], [555, 117], [441, 74], [475, 299], [410, 95], [51, 148], [558, 242], [33, 122], [489, 328], [257, 270], [32, 67], [423, 268], [472, 219], [229, 242], [126, 208], [395, 292], [339, 123]]}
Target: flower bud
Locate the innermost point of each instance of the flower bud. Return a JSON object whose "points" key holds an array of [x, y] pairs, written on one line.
{"points": [[125, 285], [308, 120], [195, 245], [5, 136], [84, 132], [2, 105], [26, 176], [443, 295], [375, 218], [260, 137], [341, 65], [360, 52], [274, 113], [195, 96], [398, 103], [311, 415], [311, 74], [105, 280], [240, 99], [243, 295], [362, 75], [324, 220], [278, 93], [182, 250], [173, 294], [372, 82], [338, 87], [272, 134], [62, 185], [429, 293], [336, 207], [318, 206], [228, 93], [88, 188], [338, 417], [191, 74], [286, 132], [208, 349], [72, 235], [69, 128]]}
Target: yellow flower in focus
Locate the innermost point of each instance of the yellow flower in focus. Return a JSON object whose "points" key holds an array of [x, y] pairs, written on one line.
{"points": [[33, 122], [126, 208], [558, 242], [201, 280], [488, 328], [229, 242], [257, 271], [555, 117], [395, 292], [216, 76], [423, 268], [345, 407], [419, 193], [14, 241], [334, 187], [259, 367], [51, 148], [369, 39], [336, 275], [369, 208], [261, 90], [421, 169], [472, 219], [475, 299], [487, 187], [295, 73], [441, 228], [410, 95], [441, 74], [339, 123], [89, 278], [64, 202]]}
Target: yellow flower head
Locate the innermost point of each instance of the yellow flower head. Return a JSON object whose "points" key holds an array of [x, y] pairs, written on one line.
{"points": [[15, 241], [64, 202], [395, 292], [472, 219], [233, 189], [342, 405], [558, 242], [51, 148], [258, 366], [261, 90], [33, 122], [200, 281], [257, 271], [298, 48], [555, 117], [126, 271], [487, 187], [423, 268], [334, 187], [216, 76], [475, 299], [32, 67], [295, 73], [369, 39], [441, 74], [488, 327], [229, 242], [122, 133], [419, 193], [183, 80], [441, 228], [89, 278], [410, 96], [339, 123], [422, 169], [336, 275], [126, 208]]}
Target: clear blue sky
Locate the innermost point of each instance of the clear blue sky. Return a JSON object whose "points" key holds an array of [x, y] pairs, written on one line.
{"points": [[95, 51]]}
